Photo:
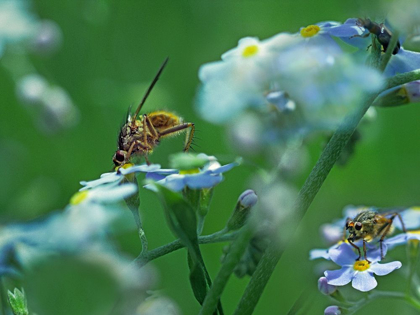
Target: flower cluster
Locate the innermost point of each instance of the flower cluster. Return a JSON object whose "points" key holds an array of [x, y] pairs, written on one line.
{"points": [[297, 83]]}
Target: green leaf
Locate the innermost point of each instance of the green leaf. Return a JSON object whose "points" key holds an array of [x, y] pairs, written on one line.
{"points": [[182, 219], [197, 280]]}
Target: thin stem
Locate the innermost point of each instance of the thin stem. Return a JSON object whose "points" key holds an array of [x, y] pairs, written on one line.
{"points": [[217, 237], [234, 255]]}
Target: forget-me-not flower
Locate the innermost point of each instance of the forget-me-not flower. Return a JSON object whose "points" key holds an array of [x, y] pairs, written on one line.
{"points": [[206, 177], [359, 272]]}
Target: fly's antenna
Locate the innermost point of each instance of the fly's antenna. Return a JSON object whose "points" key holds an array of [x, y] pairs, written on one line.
{"points": [[133, 119]]}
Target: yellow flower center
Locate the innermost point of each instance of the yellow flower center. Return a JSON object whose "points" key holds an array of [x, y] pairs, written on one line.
{"points": [[127, 165], [361, 265], [310, 31], [78, 197], [189, 172], [249, 51], [129, 177]]}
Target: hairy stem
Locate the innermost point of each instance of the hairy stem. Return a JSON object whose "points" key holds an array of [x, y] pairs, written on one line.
{"points": [[217, 237], [403, 78]]}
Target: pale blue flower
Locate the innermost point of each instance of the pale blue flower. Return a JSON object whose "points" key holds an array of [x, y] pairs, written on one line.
{"points": [[360, 273], [326, 253], [208, 176], [321, 34], [117, 177], [325, 83], [402, 238], [410, 217]]}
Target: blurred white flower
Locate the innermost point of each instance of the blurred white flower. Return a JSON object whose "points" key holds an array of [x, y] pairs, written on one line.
{"points": [[47, 38], [55, 109], [16, 22], [241, 79], [325, 84]]}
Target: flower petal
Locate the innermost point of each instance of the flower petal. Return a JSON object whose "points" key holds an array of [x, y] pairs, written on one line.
{"points": [[364, 281], [144, 168], [402, 62], [202, 180], [343, 255], [319, 253], [339, 277], [384, 269], [106, 178]]}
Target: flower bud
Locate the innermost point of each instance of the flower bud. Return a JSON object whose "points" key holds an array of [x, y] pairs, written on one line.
{"points": [[332, 310], [324, 287], [400, 95], [239, 216], [413, 91], [17, 301]]}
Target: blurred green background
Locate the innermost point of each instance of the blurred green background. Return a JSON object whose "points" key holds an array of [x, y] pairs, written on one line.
{"points": [[110, 52]]}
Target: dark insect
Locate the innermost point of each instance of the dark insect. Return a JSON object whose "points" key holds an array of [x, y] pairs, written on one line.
{"points": [[368, 225], [139, 136], [383, 34]]}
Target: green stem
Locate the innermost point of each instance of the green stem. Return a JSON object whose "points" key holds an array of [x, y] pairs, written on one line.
{"points": [[403, 78], [142, 235], [234, 255], [217, 237]]}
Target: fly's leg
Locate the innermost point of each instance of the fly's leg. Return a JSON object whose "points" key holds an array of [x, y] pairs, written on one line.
{"points": [[388, 228], [401, 220], [364, 251], [136, 143], [189, 137], [362, 36], [358, 249], [148, 128]]}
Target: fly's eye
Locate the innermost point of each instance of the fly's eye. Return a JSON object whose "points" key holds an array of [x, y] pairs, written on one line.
{"points": [[349, 224], [119, 156], [358, 226]]}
